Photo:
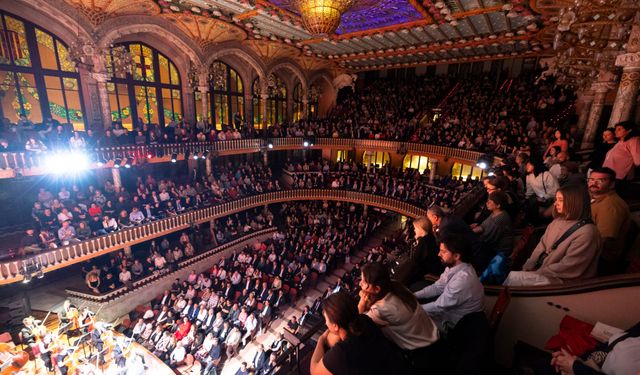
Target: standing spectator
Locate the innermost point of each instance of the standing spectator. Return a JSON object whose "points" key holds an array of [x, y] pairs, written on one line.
{"points": [[624, 157]]}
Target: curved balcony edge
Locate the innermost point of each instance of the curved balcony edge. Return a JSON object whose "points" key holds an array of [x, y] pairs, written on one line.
{"points": [[24, 163], [14, 270]]}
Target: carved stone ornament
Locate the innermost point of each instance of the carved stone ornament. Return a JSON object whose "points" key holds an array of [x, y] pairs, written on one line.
{"points": [[629, 60]]}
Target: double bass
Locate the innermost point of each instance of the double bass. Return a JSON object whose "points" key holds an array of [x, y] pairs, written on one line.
{"points": [[12, 360]]}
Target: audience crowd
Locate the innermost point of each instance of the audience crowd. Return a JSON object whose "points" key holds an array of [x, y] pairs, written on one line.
{"points": [[78, 213], [409, 185]]}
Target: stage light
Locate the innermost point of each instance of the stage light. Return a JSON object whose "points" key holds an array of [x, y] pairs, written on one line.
{"points": [[174, 157], [205, 154], [72, 162], [27, 278], [270, 145], [117, 162], [484, 161], [127, 162], [195, 155], [305, 143], [149, 155]]}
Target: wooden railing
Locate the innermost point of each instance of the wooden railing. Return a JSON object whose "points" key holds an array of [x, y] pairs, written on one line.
{"points": [[50, 260], [166, 273], [13, 164]]}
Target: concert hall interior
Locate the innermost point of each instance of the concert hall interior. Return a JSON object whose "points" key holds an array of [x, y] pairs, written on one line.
{"points": [[275, 187]]}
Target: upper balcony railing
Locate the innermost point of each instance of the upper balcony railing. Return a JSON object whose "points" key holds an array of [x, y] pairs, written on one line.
{"points": [[14, 270], [30, 163]]}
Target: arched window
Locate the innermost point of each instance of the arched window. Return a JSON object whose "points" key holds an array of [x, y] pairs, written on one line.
{"points": [[376, 158], [257, 104], [152, 94], [38, 80], [277, 102], [226, 95], [416, 162], [298, 105], [314, 95]]}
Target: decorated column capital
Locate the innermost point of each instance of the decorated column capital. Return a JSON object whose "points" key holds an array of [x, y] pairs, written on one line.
{"points": [[602, 87], [203, 89], [101, 77], [629, 61]]}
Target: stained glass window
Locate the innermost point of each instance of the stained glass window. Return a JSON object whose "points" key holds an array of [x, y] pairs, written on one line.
{"points": [[38, 80], [226, 95], [277, 102], [151, 95]]}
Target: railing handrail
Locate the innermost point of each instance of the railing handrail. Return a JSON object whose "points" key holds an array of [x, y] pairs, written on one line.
{"points": [[12, 270], [29, 163], [100, 298]]}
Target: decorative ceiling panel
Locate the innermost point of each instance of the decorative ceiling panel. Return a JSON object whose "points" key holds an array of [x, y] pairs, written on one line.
{"points": [[98, 11], [205, 30], [270, 51]]}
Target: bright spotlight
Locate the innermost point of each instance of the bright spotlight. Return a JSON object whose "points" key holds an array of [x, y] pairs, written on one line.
{"points": [[195, 156], [149, 155], [127, 162], [270, 145], [482, 165], [174, 157], [72, 162], [305, 144], [484, 161]]}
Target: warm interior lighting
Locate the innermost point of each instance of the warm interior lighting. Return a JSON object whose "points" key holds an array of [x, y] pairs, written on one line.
{"points": [[322, 17]]}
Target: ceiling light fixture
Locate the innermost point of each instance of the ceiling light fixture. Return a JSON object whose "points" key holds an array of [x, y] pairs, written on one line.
{"points": [[322, 17]]}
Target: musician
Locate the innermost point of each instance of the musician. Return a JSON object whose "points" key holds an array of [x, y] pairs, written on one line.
{"points": [[96, 340], [62, 358], [44, 350], [86, 320], [28, 332]]}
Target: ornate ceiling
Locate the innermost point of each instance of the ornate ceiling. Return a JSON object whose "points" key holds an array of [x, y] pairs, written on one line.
{"points": [[374, 34]]}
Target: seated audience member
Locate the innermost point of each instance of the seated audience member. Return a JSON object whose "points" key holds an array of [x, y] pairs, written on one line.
{"points": [[458, 291], [352, 343], [541, 189], [620, 355], [396, 311], [569, 247], [496, 237], [624, 157], [423, 258], [611, 216]]}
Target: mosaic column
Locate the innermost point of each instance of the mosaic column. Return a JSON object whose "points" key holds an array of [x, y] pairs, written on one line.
{"points": [[117, 181], [263, 107], [587, 100], [205, 104], [600, 89], [103, 96], [305, 108], [629, 83]]}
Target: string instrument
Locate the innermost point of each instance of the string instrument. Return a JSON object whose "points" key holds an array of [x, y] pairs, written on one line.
{"points": [[12, 360]]}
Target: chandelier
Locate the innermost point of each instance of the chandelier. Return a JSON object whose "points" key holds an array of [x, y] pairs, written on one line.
{"points": [[589, 36], [321, 18], [119, 61], [218, 75]]}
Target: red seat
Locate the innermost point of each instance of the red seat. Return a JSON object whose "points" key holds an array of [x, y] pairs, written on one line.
{"points": [[286, 287], [238, 293], [265, 278], [293, 294], [313, 279], [296, 280], [260, 306]]}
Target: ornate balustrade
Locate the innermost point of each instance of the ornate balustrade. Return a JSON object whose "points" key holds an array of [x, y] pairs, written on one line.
{"points": [[50, 260], [168, 274], [29, 164]]}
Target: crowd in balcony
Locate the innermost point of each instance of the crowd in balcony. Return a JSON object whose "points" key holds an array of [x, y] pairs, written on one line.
{"points": [[408, 185], [206, 319], [77, 213]]}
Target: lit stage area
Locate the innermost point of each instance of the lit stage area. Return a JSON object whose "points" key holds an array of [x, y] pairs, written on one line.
{"points": [[89, 348]]}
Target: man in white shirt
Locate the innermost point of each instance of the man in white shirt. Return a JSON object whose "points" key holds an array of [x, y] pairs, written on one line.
{"points": [[177, 355], [458, 291]]}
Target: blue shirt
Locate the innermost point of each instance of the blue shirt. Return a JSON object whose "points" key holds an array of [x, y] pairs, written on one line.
{"points": [[459, 293]]}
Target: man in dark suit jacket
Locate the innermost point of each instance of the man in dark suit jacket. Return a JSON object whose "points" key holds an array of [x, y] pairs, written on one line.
{"points": [[265, 315], [228, 292], [263, 292], [224, 331], [259, 359], [280, 300]]}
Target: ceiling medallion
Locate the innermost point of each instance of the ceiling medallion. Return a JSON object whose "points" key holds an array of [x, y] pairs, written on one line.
{"points": [[322, 17]]}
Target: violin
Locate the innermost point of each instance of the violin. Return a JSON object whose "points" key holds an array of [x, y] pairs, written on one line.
{"points": [[13, 360]]}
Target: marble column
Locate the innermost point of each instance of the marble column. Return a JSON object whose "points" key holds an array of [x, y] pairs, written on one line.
{"points": [[117, 180], [630, 81], [600, 90], [433, 166], [586, 100], [103, 95]]}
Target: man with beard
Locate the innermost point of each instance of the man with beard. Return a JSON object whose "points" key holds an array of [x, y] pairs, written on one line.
{"points": [[611, 215], [458, 291]]}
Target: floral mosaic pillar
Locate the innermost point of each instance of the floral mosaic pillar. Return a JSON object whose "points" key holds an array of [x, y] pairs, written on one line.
{"points": [[600, 89], [103, 96], [630, 81]]}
